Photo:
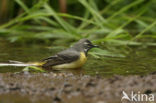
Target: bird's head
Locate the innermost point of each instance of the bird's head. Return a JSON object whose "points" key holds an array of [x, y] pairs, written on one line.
{"points": [[84, 45]]}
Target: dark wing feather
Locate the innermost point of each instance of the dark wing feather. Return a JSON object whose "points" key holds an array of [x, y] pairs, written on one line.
{"points": [[51, 57], [66, 56]]}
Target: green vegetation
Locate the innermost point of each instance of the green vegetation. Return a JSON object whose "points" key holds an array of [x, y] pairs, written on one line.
{"points": [[33, 69], [119, 22]]}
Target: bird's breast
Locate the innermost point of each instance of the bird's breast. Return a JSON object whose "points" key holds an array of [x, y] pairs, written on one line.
{"points": [[82, 59]]}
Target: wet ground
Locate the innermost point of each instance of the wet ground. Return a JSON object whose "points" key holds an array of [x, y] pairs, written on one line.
{"points": [[69, 88], [101, 80]]}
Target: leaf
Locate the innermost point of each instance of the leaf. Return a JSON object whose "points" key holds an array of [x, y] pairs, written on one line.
{"points": [[34, 69], [96, 52]]}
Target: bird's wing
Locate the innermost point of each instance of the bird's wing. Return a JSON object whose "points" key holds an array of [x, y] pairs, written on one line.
{"points": [[61, 58]]}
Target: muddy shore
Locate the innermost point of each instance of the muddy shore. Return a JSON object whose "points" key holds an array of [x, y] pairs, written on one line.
{"points": [[69, 88]]}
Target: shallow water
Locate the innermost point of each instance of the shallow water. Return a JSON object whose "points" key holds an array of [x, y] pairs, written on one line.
{"points": [[138, 61], [75, 88]]}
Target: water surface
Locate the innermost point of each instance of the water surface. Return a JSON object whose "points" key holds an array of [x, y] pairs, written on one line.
{"points": [[138, 61]]}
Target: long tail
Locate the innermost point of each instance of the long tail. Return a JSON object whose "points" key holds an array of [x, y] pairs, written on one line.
{"points": [[21, 64]]}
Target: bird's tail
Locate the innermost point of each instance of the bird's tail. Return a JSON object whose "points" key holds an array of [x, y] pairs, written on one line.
{"points": [[21, 64]]}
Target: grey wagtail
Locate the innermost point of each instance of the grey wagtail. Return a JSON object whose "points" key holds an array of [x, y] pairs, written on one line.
{"points": [[73, 57]]}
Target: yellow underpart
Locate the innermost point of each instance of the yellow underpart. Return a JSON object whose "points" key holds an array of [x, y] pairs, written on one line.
{"points": [[76, 64], [38, 63]]}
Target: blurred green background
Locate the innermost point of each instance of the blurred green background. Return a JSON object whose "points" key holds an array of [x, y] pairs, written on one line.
{"points": [[118, 22], [125, 30]]}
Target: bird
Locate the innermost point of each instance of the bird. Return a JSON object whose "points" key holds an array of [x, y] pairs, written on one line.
{"points": [[71, 58]]}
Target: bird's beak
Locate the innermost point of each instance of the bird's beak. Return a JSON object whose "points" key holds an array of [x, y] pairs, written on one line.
{"points": [[95, 46]]}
